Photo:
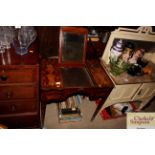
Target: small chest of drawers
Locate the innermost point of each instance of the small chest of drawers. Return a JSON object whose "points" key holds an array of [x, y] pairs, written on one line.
{"points": [[19, 92]]}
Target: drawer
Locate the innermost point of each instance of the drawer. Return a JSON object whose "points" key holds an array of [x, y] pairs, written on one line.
{"points": [[18, 107], [147, 90], [18, 75], [123, 93], [18, 92]]}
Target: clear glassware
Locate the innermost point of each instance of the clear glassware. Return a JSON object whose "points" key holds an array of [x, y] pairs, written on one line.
{"points": [[2, 50], [6, 36], [25, 36]]}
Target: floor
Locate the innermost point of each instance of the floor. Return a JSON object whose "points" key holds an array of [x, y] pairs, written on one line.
{"points": [[87, 108]]}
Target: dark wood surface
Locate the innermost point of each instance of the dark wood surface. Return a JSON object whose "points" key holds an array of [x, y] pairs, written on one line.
{"points": [[48, 39], [53, 89], [56, 87], [19, 89], [11, 58], [95, 49]]}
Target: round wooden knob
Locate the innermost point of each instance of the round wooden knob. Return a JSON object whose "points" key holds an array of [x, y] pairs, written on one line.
{"points": [[4, 77]]}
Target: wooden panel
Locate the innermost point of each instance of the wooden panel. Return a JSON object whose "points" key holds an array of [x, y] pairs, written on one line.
{"points": [[18, 92], [99, 75], [123, 93], [18, 107], [16, 75], [146, 90], [95, 49], [48, 38]]}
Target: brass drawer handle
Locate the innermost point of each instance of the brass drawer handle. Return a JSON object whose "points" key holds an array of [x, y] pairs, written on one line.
{"points": [[9, 94], [13, 108]]}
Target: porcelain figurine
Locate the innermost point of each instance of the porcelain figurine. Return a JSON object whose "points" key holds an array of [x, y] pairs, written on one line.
{"points": [[116, 50], [138, 54], [128, 52]]}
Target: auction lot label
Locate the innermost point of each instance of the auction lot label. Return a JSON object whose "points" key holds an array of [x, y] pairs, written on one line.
{"points": [[141, 120]]}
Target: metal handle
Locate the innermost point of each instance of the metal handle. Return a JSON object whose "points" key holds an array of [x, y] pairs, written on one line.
{"points": [[13, 108], [9, 94]]}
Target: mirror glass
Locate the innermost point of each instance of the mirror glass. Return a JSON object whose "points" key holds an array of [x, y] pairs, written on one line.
{"points": [[73, 47]]}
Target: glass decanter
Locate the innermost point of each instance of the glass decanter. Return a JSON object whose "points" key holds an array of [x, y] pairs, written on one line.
{"points": [[24, 38]]}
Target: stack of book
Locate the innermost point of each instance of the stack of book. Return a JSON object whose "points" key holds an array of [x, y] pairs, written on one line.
{"points": [[69, 110]]}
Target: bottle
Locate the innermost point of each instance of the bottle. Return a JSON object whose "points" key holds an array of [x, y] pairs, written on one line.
{"points": [[116, 51]]}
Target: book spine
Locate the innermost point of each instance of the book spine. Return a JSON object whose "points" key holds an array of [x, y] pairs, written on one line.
{"points": [[79, 99]]}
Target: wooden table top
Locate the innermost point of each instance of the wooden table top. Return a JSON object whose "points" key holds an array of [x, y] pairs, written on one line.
{"points": [[51, 77], [10, 57]]}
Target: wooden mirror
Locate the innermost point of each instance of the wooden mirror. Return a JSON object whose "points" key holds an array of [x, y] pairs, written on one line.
{"points": [[72, 46], [72, 52]]}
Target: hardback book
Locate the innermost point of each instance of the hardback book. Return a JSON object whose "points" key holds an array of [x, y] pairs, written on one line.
{"points": [[69, 110]]}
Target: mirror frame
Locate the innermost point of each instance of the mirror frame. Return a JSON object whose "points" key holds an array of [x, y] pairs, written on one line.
{"points": [[75, 30]]}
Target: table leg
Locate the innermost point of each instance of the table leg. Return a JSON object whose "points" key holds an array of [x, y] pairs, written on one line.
{"points": [[99, 106]]}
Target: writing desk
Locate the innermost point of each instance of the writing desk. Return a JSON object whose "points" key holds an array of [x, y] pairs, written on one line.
{"points": [[54, 89]]}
